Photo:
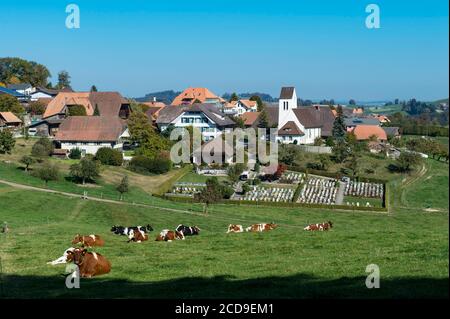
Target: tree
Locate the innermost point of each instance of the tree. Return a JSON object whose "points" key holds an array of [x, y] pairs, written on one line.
{"points": [[352, 102], [47, 172], [75, 153], [407, 160], [234, 97], [37, 108], [234, 171], [210, 194], [325, 161], [109, 156], [42, 148], [340, 150], [339, 124], [288, 153], [86, 169], [93, 88], [123, 186], [353, 165], [63, 80], [77, 110], [259, 102], [238, 121], [16, 70], [318, 141], [9, 103], [329, 141], [7, 141], [96, 110], [151, 143], [263, 119], [27, 160]]}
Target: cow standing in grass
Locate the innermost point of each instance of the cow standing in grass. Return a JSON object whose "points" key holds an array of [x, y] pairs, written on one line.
{"points": [[90, 264]]}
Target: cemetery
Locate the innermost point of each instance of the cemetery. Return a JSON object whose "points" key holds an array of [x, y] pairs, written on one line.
{"points": [[362, 189], [268, 194], [318, 190]]}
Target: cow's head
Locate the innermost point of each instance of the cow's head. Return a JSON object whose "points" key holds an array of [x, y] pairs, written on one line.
{"points": [[114, 229], [76, 256], [273, 225], [196, 229], [149, 228], [330, 223], [77, 239]]}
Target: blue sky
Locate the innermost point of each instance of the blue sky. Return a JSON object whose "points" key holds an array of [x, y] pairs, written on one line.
{"points": [[322, 47]]}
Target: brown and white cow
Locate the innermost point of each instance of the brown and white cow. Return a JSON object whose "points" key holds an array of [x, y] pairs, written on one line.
{"points": [[319, 227], [137, 236], [169, 235], [233, 228], [261, 227], [90, 264], [88, 241]]}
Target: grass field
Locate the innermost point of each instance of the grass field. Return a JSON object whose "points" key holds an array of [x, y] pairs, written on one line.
{"points": [[374, 202], [410, 245]]}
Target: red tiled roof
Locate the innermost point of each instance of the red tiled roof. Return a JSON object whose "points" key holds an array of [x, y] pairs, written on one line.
{"points": [[90, 128], [290, 128], [365, 132], [9, 117], [250, 118], [189, 95]]}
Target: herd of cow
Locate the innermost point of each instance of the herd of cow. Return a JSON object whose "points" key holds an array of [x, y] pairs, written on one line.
{"points": [[93, 264]]}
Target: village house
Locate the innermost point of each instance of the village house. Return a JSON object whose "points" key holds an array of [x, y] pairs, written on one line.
{"points": [[392, 131], [22, 88], [108, 104], [193, 95], [19, 96], [154, 108], [205, 117], [240, 107], [9, 120], [89, 133], [369, 132]]}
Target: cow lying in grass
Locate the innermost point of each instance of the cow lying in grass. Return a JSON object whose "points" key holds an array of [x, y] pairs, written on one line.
{"points": [[137, 236], [188, 231], [169, 235], [233, 228], [62, 259], [261, 227], [88, 241], [319, 227], [90, 264], [125, 231]]}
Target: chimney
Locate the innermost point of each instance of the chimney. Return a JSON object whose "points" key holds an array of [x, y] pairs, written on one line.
{"points": [[154, 99], [317, 107]]}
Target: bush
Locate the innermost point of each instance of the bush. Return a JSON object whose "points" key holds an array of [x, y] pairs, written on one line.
{"points": [[75, 153], [43, 147], [144, 165], [109, 156]]}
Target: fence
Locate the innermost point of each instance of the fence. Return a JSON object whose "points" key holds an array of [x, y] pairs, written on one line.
{"points": [[316, 149]]}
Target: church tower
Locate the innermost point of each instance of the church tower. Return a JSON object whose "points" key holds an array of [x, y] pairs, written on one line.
{"points": [[287, 102]]}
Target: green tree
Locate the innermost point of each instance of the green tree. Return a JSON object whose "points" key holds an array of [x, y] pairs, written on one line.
{"points": [[75, 153], [339, 129], [9, 103], [210, 194], [259, 102], [77, 110], [16, 70], [47, 172], [63, 80], [234, 97], [318, 141], [150, 142], [42, 148], [325, 161], [7, 141], [109, 156], [352, 102], [407, 160], [27, 160], [96, 110], [263, 119], [123, 186], [37, 108], [86, 169], [234, 171], [93, 88]]}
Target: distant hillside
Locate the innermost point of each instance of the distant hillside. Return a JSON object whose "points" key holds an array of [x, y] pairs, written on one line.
{"points": [[441, 101], [264, 96], [164, 96]]}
